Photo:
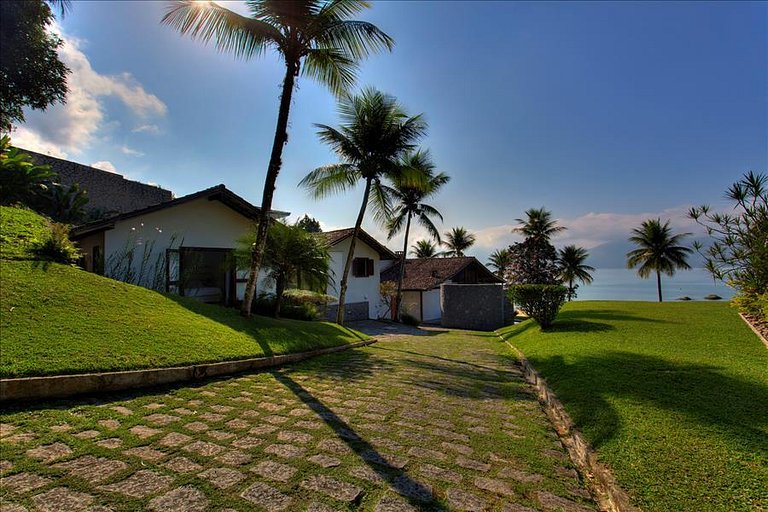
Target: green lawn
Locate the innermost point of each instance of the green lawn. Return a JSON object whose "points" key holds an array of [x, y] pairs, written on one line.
{"points": [[674, 397], [58, 319]]}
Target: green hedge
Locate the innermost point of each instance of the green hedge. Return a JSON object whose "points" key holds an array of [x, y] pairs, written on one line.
{"points": [[539, 301]]}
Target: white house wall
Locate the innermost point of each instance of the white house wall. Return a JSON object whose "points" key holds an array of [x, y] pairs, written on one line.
{"points": [[431, 304], [412, 304], [359, 289]]}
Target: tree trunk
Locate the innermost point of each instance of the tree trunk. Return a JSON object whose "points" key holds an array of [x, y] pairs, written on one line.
{"points": [[658, 283], [279, 291], [570, 289], [275, 162], [351, 253], [402, 270]]}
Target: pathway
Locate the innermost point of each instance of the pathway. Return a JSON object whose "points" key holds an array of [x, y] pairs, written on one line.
{"points": [[432, 422]]}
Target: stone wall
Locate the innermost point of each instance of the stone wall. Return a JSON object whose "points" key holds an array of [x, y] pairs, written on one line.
{"points": [[107, 191], [472, 306], [352, 311]]}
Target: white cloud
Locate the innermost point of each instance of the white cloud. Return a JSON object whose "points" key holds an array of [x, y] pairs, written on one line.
{"points": [[130, 151], [73, 126], [147, 128], [104, 165], [27, 139]]}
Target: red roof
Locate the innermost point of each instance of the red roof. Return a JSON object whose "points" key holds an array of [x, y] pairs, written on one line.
{"points": [[427, 273]]}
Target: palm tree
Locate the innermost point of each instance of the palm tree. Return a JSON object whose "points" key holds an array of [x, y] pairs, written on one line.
{"points": [[572, 267], [457, 241], [313, 37], [658, 251], [424, 249], [538, 225], [500, 259], [374, 135], [407, 197]]}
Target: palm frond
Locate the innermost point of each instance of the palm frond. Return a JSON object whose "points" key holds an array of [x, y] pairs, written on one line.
{"points": [[330, 179], [332, 68], [359, 39]]}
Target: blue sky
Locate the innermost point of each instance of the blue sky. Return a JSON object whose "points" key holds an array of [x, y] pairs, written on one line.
{"points": [[606, 113]]}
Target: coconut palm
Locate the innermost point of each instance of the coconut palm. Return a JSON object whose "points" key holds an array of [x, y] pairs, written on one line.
{"points": [[538, 225], [658, 251], [572, 267], [457, 241], [500, 259], [375, 133], [312, 37], [424, 249], [407, 196]]}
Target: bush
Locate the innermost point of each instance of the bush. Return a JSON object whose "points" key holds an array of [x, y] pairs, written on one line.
{"points": [[264, 305], [409, 320], [752, 304], [541, 302], [57, 246], [296, 297]]}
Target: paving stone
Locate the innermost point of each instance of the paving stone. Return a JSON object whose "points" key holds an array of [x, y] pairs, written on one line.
{"points": [[111, 443], [237, 424], [519, 475], [334, 446], [195, 403], [384, 459], [223, 478], [62, 499], [516, 507], [336, 489], [568, 473], [221, 435], [23, 482], [223, 409], [124, 411], [275, 419], [266, 497], [6, 429], [262, 430], [449, 434], [241, 399], [274, 470], [250, 414], [472, 464], [456, 447], [410, 488], [247, 442], [109, 424], [204, 448], [5, 465], [145, 453], [234, 458], [269, 406], [161, 420], [316, 506], [91, 468], [11, 507], [286, 451], [20, 438], [390, 503], [154, 406], [174, 439], [49, 452], [294, 437], [181, 499], [87, 434], [197, 426], [299, 412], [480, 429], [549, 501], [183, 465], [325, 461], [367, 474], [211, 416], [426, 453], [64, 427], [373, 416], [465, 501], [144, 432], [183, 411], [140, 484], [309, 424], [437, 473], [494, 485]]}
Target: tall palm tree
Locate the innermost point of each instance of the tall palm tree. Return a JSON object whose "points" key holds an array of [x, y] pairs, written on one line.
{"points": [[374, 134], [658, 251], [572, 267], [407, 197], [538, 225], [457, 241], [500, 259], [424, 249], [313, 37]]}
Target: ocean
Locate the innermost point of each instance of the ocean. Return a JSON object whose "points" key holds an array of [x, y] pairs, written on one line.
{"points": [[625, 284]]}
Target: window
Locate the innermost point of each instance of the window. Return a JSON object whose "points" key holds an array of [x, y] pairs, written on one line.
{"points": [[362, 267]]}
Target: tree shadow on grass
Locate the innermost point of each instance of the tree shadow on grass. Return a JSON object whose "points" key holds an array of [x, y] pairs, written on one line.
{"points": [[735, 406]]}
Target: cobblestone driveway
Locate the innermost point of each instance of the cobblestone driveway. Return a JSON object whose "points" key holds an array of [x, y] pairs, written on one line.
{"points": [[435, 422]]}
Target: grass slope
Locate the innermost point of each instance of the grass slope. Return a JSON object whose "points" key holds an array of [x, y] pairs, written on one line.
{"points": [[674, 397], [57, 319]]}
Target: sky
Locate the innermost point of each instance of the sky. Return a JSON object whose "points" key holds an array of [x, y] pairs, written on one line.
{"points": [[606, 113]]}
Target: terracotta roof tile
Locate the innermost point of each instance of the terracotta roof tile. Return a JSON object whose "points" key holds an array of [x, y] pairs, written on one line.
{"points": [[427, 273]]}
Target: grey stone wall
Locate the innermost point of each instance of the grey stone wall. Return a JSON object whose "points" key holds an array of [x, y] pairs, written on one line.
{"points": [[352, 311], [107, 191], [472, 306]]}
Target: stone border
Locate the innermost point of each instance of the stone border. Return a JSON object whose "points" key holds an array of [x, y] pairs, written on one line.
{"points": [[755, 330], [609, 496], [63, 386]]}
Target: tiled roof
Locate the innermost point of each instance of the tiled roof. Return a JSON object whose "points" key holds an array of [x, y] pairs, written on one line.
{"points": [[427, 273], [339, 235]]}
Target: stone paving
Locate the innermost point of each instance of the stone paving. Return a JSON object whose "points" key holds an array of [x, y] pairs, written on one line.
{"points": [[440, 421]]}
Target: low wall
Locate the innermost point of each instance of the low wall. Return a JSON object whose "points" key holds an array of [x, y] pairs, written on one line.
{"points": [[352, 311], [472, 306]]}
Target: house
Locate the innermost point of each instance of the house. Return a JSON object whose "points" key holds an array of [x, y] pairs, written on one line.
{"points": [[362, 300], [181, 246], [424, 276]]}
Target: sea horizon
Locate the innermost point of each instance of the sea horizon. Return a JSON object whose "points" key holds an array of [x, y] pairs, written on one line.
{"points": [[625, 284]]}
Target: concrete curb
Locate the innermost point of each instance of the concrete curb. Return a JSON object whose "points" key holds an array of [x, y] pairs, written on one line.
{"points": [[609, 496], [754, 329], [63, 386]]}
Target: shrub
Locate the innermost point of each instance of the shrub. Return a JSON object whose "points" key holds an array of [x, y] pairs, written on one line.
{"points": [[57, 246], [296, 297], [264, 305], [409, 320], [539, 301]]}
